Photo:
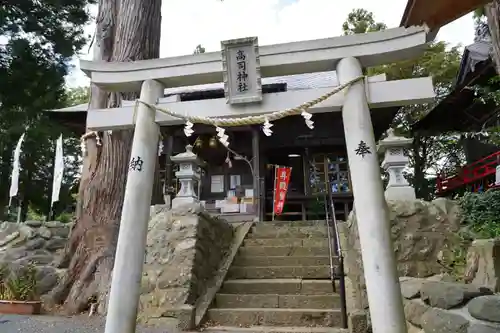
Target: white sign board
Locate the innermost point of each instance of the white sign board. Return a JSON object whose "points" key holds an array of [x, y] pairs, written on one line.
{"points": [[241, 70], [217, 184]]}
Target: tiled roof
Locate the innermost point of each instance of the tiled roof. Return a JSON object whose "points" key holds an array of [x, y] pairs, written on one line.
{"points": [[294, 82]]}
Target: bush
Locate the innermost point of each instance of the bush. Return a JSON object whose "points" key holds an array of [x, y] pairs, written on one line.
{"points": [[19, 285], [481, 213]]}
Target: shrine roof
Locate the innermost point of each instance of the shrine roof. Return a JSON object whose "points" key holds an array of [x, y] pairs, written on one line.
{"points": [[293, 82], [460, 110], [437, 13]]}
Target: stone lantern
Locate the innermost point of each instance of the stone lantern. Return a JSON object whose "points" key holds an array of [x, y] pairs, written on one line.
{"points": [[187, 175], [394, 163]]}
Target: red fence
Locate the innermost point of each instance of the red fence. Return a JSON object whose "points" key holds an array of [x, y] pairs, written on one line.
{"points": [[469, 174]]}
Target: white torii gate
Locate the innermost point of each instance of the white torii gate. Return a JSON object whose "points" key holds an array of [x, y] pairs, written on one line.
{"points": [[348, 55]]}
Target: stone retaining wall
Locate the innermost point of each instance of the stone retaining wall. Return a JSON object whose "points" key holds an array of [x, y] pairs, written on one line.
{"points": [[449, 307], [185, 249], [422, 233], [34, 242]]}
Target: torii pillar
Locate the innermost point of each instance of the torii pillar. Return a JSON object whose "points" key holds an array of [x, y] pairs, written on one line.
{"points": [[379, 262]]}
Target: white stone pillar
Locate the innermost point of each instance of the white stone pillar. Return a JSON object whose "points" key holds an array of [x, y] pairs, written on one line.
{"points": [[129, 260], [395, 161], [382, 282], [187, 175], [497, 176]]}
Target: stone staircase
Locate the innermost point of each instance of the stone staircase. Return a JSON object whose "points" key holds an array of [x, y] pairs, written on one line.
{"points": [[280, 282]]}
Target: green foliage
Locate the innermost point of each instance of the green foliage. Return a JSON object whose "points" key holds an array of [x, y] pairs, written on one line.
{"points": [[360, 21], [199, 49], [76, 96], [64, 217], [41, 37], [18, 285], [481, 213]]}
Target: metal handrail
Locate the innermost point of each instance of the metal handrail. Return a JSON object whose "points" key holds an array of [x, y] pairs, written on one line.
{"points": [[337, 247], [331, 251]]}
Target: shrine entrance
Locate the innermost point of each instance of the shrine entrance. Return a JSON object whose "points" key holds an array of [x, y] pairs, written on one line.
{"points": [[241, 65]]}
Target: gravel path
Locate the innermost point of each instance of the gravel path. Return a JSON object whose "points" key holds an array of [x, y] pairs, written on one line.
{"points": [[50, 324]]}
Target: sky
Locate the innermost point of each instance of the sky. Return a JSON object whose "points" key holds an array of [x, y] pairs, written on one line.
{"points": [[187, 23]]}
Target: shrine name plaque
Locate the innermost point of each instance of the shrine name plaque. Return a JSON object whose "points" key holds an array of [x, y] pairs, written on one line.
{"points": [[241, 70]]}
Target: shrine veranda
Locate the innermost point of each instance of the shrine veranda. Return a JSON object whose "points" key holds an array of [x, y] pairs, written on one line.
{"points": [[242, 113]]}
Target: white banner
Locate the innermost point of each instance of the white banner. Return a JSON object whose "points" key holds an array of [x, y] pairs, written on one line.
{"points": [[58, 170], [14, 184]]}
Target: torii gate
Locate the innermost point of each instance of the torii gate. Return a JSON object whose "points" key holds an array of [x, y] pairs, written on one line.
{"points": [[348, 55]]}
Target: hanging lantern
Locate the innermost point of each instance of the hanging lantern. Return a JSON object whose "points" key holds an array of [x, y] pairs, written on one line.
{"points": [[198, 142], [213, 142]]}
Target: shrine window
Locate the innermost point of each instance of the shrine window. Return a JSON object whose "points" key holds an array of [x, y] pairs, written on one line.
{"points": [[330, 169]]}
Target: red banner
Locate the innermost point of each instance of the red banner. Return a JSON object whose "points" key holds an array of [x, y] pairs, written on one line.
{"points": [[281, 187]]}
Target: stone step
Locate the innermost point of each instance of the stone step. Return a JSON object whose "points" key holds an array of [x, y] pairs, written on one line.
{"points": [[275, 317], [264, 231], [272, 272], [293, 223], [299, 251], [277, 301], [282, 261], [271, 329], [301, 242], [278, 286]]}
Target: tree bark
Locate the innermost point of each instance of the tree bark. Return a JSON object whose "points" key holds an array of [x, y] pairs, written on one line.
{"points": [[492, 12], [126, 30]]}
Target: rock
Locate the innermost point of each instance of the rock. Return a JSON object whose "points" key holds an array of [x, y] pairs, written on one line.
{"points": [[483, 263], [44, 232], [477, 327], [414, 310], [446, 295], [54, 224], [6, 229], [410, 287], [35, 259], [47, 282], [485, 308], [186, 244], [6, 240], [34, 244], [14, 254], [26, 231], [33, 224], [412, 328], [55, 243], [439, 321]]}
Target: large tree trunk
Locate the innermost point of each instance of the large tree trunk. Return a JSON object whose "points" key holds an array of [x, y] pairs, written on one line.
{"points": [[492, 12], [127, 30]]}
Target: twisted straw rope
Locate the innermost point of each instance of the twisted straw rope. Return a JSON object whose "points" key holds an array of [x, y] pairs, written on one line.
{"points": [[250, 120]]}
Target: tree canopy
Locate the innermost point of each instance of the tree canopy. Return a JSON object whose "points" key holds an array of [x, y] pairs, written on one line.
{"points": [[41, 37]]}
